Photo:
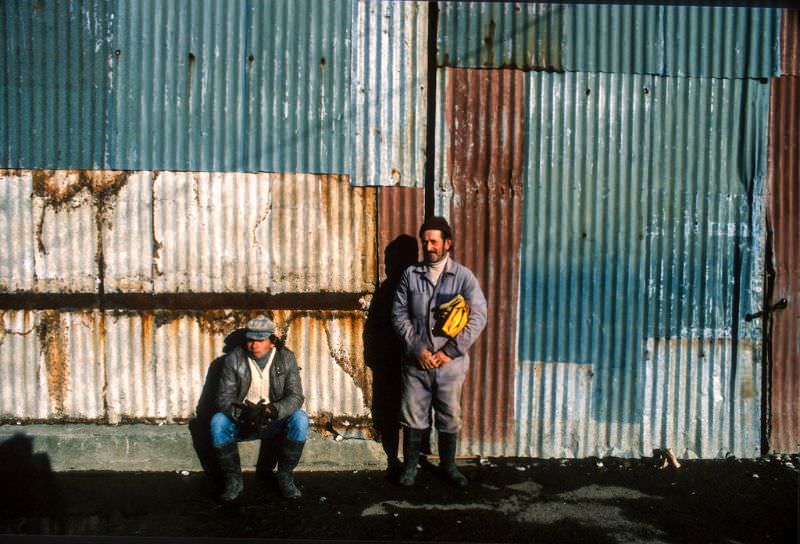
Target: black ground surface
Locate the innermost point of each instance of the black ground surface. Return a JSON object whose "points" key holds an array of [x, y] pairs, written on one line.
{"points": [[590, 500]]}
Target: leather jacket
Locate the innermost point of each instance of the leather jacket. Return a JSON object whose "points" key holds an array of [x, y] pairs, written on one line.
{"points": [[285, 387]]}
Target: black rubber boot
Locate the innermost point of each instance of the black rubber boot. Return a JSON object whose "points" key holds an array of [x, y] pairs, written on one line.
{"points": [[412, 442], [288, 458], [447, 460], [267, 458], [231, 467]]}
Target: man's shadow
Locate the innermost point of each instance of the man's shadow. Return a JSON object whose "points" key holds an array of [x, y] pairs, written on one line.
{"points": [[200, 426], [31, 491], [383, 349]]}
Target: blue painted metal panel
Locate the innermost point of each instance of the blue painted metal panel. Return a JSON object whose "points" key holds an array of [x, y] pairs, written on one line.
{"points": [[640, 220], [500, 34], [298, 86], [614, 38], [725, 41], [735, 42], [235, 85], [54, 65]]}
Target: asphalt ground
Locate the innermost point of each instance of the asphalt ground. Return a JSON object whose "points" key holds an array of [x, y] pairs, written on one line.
{"points": [[519, 500]]}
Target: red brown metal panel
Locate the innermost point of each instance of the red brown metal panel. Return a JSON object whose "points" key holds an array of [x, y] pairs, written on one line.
{"points": [[400, 211], [790, 42], [783, 210], [485, 121]]}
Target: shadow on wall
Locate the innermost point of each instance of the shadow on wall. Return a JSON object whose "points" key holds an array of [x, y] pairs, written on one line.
{"points": [[29, 486], [382, 348], [200, 426]]}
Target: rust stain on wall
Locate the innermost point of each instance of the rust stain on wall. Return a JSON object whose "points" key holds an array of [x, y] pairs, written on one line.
{"points": [[783, 219], [60, 189], [485, 118], [53, 345], [350, 359]]}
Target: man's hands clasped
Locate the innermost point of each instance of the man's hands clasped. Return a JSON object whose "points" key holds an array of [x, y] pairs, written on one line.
{"points": [[429, 360]]}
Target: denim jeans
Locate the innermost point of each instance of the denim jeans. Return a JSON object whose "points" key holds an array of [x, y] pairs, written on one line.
{"points": [[225, 430]]}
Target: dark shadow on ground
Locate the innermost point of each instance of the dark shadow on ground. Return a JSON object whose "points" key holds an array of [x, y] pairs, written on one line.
{"points": [[28, 486], [382, 348], [507, 501]]}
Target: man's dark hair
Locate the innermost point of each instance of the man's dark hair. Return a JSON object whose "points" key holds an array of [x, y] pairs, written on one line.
{"points": [[437, 223]]}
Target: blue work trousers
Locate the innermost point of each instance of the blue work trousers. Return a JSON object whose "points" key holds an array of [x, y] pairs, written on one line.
{"points": [[225, 430]]}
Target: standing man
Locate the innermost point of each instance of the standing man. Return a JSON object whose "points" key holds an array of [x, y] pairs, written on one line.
{"points": [[259, 396], [434, 365]]}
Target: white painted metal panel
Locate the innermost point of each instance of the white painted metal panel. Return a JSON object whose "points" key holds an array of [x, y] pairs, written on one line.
{"points": [[128, 236], [263, 232], [65, 233], [16, 224], [556, 418], [390, 46], [22, 394], [698, 403]]}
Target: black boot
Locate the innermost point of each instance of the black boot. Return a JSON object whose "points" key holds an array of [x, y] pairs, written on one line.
{"points": [[287, 460], [268, 458], [447, 459], [231, 467], [412, 442]]}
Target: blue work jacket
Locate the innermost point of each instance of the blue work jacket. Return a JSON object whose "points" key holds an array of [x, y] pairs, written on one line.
{"points": [[415, 303]]}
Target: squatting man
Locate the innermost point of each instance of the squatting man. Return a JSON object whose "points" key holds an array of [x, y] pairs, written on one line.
{"points": [[434, 363], [259, 397]]}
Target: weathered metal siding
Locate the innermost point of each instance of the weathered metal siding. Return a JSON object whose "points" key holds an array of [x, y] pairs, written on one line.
{"points": [[614, 38], [483, 145], [263, 232], [232, 86], [640, 258], [702, 41], [16, 221], [52, 365], [707, 41], [298, 86], [121, 366], [790, 42], [400, 212], [389, 89], [54, 84], [500, 34], [783, 212]]}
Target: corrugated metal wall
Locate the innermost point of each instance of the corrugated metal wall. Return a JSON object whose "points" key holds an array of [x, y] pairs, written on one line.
{"points": [[483, 146], [783, 212], [173, 169], [389, 92]]}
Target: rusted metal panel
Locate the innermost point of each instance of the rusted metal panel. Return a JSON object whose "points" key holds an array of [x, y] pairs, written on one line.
{"points": [[263, 232], [52, 365], [389, 80], [640, 227], [790, 42], [400, 213], [483, 145], [159, 362], [16, 222], [501, 34], [783, 212]]}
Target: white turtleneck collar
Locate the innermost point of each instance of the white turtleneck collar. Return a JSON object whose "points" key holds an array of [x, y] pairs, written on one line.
{"points": [[435, 269]]}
